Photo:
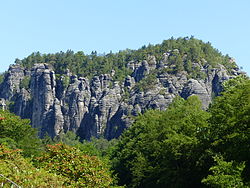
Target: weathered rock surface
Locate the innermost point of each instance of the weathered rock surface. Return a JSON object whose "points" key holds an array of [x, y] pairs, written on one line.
{"points": [[2, 104], [11, 82], [101, 106]]}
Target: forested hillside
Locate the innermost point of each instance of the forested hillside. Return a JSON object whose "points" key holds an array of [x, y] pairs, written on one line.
{"points": [[100, 94], [186, 146], [182, 146], [190, 50]]}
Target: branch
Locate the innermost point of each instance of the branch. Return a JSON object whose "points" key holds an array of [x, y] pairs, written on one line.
{"points": [[10, 181]]}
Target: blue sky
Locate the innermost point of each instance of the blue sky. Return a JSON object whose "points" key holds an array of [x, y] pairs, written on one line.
{"points": [[50, 26]]}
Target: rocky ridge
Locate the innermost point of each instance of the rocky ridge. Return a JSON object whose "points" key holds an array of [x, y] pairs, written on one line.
{"points": [[102, 106]]}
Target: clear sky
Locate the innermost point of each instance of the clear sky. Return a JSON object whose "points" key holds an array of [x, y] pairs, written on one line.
{"points": [[51, 26]]}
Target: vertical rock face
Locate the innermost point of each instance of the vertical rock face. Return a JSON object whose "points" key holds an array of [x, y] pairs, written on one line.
{"points": [[104, 103], [2, 104], [76, 102], [101, 106], [46, 109], [23, 105], [11, 83]]}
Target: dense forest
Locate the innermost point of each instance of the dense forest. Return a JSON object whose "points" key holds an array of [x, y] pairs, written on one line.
{"points": [[183, 146], [183, 53]]}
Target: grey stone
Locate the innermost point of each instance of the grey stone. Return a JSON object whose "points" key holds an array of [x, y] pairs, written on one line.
{"points": [[2, 104], [102, 106]]}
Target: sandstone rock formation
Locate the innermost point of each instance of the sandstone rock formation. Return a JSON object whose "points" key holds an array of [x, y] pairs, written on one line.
{"points": [[101, 106]]}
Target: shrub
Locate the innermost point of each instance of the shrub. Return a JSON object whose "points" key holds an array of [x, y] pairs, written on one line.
{"points": [[14, 168], [79, 170]]}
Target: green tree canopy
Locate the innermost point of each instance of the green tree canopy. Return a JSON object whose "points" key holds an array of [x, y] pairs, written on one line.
{"points": [[18, 133], [159, 150], [79, 170], [229, 129], [192, 49], [16, 170], [225, 174]]}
